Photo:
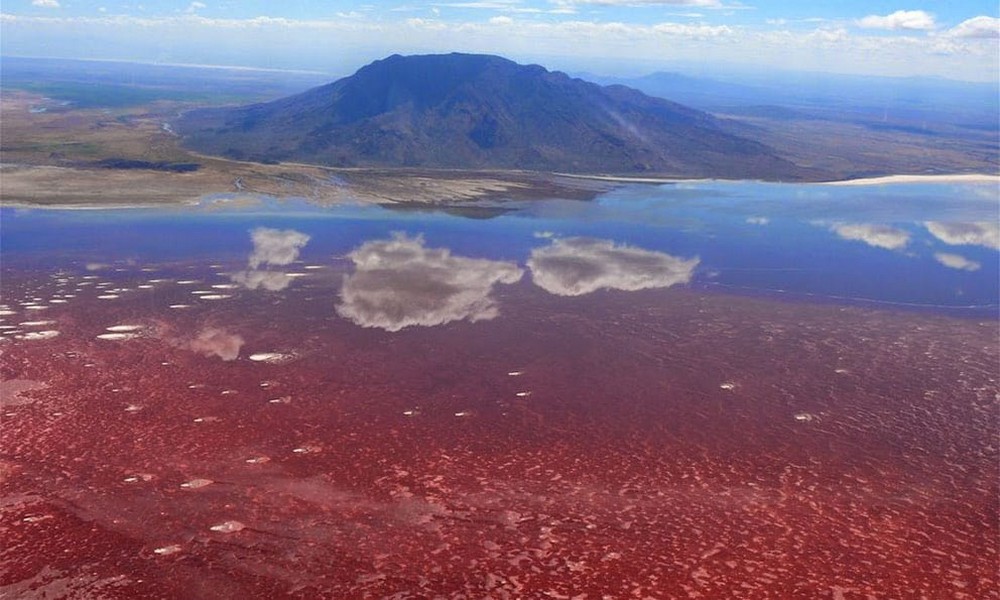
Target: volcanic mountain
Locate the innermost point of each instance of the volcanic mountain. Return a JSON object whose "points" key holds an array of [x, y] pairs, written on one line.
{"points": [[470, 111]]}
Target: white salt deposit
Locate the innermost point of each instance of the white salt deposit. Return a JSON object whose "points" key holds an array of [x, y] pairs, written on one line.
{"points": [[228, 527], [166, 550], [39, 335], [117, 336], [124, 328], [269, 357], [196, 483]]}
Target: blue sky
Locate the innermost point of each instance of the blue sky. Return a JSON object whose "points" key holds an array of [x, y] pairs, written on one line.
{"points": [[956, 39]]}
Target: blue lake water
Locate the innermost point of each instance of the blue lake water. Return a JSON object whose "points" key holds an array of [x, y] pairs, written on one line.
{"points": [[921, 245]]}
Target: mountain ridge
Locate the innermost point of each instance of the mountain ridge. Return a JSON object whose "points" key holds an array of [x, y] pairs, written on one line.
{"points": [[481, 111]]}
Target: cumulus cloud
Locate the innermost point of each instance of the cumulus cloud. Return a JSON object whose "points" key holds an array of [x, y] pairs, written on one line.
{"points": [[982, 27], [272, 281], [399, 283], [577, 266], [216, 342], [286, 42], [980, 233], [899, 20], [879, 236], [195, 7], [700, 3], [270, 247], [956, 261], [45, 3], [276, 246]]}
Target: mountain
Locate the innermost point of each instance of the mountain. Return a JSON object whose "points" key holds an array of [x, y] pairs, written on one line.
{"points": [[479, 111]]}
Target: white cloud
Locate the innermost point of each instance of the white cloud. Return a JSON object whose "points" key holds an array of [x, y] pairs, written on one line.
{"points": [[399, 283], [758, 220], [195, 7], [566, 44], [956, 261], [879, 236], [276, 246], [272, 281], [501, 20], [977, 27], [981, 233], [900, 20], [700, 3], [270, 247], [577, 266], [694, 31], [216, 342], [45, 3]]}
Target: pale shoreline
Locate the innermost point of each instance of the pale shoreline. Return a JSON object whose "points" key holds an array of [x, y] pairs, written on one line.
{"points": [[960, 178], [891, 179]]}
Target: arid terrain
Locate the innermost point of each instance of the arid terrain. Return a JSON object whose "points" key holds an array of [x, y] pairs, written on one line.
{"points": [[65, 156]]}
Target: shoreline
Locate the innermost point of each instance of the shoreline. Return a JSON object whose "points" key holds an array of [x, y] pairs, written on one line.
{"points": [[955, 178], [895, 179]]}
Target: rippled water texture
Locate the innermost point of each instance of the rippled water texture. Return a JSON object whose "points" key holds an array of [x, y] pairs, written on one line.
{"points": [[698, 390]]}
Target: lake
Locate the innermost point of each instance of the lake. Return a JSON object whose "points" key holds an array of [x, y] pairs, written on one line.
{"points": [[666, 391]]}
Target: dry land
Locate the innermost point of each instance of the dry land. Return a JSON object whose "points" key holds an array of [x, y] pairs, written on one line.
{"points": [[58, 156]]}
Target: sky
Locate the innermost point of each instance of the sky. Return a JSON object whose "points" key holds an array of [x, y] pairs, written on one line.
{"points": [[957, 39]]}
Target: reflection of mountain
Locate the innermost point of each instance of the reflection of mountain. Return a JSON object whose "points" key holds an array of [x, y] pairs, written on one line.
{"points": [[577, 266], [270, 247], [400, 283], [478, 111]]}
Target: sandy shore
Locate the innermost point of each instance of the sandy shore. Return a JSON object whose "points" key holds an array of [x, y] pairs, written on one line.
{"points": [[889, 179]]}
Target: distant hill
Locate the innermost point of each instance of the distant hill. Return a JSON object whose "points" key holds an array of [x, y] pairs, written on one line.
{"points": [[479, 111]]}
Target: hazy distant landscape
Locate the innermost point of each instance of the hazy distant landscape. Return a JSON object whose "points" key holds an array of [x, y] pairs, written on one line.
{"points": [[103, 116]]}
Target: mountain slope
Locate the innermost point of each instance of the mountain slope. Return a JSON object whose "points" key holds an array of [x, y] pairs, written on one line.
{"points": [[478, 111]]}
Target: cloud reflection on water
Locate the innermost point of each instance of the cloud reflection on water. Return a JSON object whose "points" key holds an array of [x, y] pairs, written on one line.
{"points": [[213, 341], [980, 233], [577, 266], [878, 236], [399, 283], [956, 261], [276, 247]]}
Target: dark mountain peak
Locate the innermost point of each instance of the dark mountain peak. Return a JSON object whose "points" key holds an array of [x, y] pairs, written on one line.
{"points": [[480, 111], [420, 80]]}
